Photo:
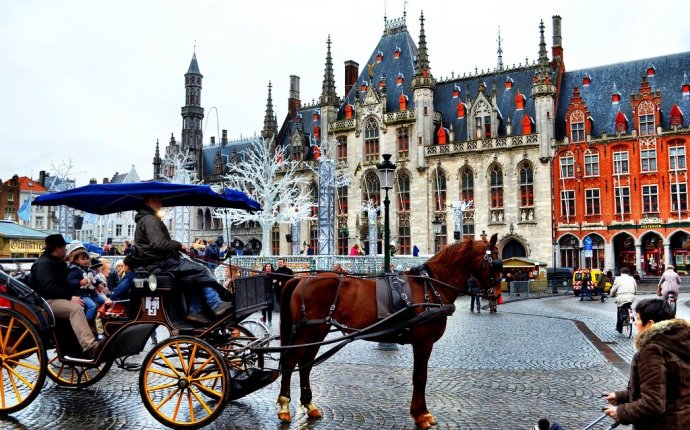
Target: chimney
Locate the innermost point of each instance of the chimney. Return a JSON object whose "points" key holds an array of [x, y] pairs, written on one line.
{"points": [[213, 140], [294, 102], [42, 178], [351, 74], [557, 48], [224, 139]]}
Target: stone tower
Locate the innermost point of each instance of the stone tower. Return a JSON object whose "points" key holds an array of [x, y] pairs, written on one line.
{"points": [[193, 115], [423, 85]]}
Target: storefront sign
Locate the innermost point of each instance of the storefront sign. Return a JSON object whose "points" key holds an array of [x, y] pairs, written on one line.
{"points": [[26, 246]]}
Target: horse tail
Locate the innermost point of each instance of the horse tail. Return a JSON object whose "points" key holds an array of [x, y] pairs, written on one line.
{"points": [[285, 311]]}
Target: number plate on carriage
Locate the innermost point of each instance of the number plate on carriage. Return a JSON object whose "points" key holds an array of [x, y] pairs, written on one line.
{"points": [[152, 304]]}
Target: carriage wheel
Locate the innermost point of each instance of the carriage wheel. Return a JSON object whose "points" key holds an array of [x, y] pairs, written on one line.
{"points": [[66, 375], [184, 382], [22, 362]]}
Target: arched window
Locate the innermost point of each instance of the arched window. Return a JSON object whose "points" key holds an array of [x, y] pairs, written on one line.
{"points": [[577, 126], [439, 184], [621, 123], [526, 125], [371, 140], [526, 186], [199, 219], [403, 191], [496, 188], [348, 111], [403, 142], [676, 116], [207, 219], [461, 110], [371, 189], [441, 135], [403, 101], [646, 117], [467, 184], [342, 200]]}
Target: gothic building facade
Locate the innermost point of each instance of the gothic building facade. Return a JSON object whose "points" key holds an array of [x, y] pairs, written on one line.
{"points": [[519, 142]]}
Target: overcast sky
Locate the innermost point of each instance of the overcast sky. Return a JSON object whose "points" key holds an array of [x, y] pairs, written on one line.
{"points": [[98, 82]]}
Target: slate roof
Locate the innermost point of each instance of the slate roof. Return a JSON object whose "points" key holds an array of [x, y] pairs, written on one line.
{"points": [[194, 66], [505, 99], [671, 73], [388, 68], [209, 152]]}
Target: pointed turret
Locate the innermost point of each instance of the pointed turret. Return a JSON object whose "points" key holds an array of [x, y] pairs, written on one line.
{"points": [[194, 66], [422, 67], [544, 95], [328, 94], [270, 123], [499, 64], [423, 85]]}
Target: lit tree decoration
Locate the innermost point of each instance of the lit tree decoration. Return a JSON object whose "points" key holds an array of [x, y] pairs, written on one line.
{"points": [[274, 180]]}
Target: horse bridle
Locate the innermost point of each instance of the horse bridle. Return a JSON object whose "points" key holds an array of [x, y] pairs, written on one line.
{"points": [[495, 266]]}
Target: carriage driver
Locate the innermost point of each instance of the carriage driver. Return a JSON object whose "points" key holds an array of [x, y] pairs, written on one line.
{"points": [[49, 280], [154, 246]]}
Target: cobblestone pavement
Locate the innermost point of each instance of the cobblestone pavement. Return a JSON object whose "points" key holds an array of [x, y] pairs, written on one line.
{"points": [[489, 371]]}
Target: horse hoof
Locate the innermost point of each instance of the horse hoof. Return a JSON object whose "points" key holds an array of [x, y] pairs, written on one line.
{"points": [[430, 419], [314, 414], [422, 424], [284, 417]]}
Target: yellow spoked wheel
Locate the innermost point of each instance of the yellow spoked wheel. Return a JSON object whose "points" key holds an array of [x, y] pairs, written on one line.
{"points": [[74, 376], [184, 382], [22, 362]]}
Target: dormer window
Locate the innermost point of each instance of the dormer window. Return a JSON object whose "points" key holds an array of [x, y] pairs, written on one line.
{"points": [[685, 89], [456, 92], [645, 116], [400, 79], [396, 54], [315, 117], [403, 101], [526, 125], [519, 101], [461, 110], [615, 98], [441, 135], [621, 123], [365, 84], [651, 71], [482, 87], [586, 80], [298, 118], [425, 73], [317, 132], [379, 57], [509, 83], [676, 116], [382, 83], [348, 111]]}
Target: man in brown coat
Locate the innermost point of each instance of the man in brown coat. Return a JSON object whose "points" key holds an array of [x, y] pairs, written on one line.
{"points": [[658, 394]]}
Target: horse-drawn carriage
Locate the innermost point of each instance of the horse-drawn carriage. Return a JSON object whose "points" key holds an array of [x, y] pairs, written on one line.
{"points": [[186, 380]]}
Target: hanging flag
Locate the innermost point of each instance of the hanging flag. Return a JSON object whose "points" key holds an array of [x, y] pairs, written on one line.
{"points": [[24, 212], [90, 218]]}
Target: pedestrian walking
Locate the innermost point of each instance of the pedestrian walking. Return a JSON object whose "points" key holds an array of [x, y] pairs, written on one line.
{"points": [[586, 287], [601, 287], [475, 291]]}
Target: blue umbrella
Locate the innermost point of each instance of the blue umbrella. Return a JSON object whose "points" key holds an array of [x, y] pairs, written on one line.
{"points": [[111, 198]]}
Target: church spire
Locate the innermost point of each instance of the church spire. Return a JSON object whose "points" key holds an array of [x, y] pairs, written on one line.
{"points": [[499, 64], [270, 123], [157, 163], [543, 61], [422, 67], [328, 95]]}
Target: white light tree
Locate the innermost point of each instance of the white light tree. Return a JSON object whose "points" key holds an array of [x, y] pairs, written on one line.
{"points": [[182, 164], [270, 177], [64, 215]]}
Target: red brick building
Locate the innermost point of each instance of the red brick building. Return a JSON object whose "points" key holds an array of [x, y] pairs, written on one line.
{"points": [[620, 174]]}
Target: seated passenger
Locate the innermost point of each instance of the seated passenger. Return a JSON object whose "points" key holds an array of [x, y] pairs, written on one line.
{"points": [[121, 291], [83, 283], [154, 246], [49, 280]]}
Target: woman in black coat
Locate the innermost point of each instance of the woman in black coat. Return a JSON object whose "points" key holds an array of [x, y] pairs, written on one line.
{"points": [[271, 283]]}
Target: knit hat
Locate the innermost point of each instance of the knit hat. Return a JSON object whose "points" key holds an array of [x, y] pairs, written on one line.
{"points": [[73, 246], [55, 240]]}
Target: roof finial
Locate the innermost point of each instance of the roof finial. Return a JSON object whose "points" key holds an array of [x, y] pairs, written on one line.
{"points": [[194, 46]]}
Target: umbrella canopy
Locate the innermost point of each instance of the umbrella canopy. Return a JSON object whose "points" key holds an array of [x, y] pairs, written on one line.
{"points": [[104, 199]]}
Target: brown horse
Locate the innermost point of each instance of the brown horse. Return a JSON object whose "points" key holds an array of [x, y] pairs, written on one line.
{"points": [[312, 305]]}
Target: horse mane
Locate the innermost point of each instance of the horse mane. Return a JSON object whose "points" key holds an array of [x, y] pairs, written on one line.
{"points": [[441, 263]]}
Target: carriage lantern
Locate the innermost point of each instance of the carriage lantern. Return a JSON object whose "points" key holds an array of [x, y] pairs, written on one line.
{"points": [[386, 173]]}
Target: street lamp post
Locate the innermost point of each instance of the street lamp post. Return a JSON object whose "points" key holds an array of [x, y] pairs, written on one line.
{"points": [[386, 173], [437, 230]]}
